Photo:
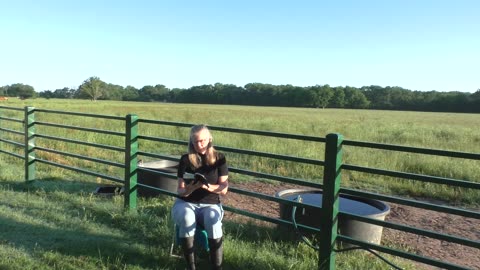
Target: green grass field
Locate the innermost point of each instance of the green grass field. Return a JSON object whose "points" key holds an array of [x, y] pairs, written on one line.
{"points": [[56, 222], [444, 131]]}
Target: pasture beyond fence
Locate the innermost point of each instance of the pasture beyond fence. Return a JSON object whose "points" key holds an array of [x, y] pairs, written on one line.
{"points": [[333, 166]]}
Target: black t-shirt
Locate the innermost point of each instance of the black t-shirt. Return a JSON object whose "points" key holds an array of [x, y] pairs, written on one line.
{"points": [[211, 172]]}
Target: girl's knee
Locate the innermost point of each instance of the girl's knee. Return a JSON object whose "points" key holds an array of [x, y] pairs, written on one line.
{"points": [[213, 213], [184, 216]]}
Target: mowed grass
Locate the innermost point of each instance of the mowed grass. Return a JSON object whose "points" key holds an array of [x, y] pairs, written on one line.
{"points": [[56, 223]]}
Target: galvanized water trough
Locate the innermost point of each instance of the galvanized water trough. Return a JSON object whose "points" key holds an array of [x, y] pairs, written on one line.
{"points": [[155, 180], [349, 204]]}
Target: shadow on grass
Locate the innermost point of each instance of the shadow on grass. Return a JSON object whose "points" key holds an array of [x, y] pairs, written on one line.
{"points": [[64, 232], [74, 242], [50, 184]]}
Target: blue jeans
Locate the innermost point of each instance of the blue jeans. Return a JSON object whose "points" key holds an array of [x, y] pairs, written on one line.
{"points": [[186, 215]]}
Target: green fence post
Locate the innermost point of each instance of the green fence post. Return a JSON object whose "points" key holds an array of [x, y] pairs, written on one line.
{"points": [[29, 125], [131, 151], [330, 201]]}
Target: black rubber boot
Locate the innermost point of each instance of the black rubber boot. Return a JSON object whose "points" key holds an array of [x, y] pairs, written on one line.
{"points": [[188, 252], [216, 253]]}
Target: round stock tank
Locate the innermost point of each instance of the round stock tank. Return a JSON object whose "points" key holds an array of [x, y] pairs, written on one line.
{"points": [[156, 180], [348, 204]]}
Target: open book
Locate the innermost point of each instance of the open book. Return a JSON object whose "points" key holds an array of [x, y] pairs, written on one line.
{"points": [[188, 178], [200, 177]]}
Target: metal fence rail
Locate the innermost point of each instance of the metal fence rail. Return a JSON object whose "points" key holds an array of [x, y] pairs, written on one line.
{"points": [[332, 167], [11, 131]]}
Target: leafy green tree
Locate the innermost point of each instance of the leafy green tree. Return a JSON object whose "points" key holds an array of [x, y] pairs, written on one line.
{"points": [[474, 102], [58, 93], [146, 93], [46, 94], [302, 97], [338, 98], [325, 95], [113, 92], [379, 97], [322, 95], [400, 98], [290, 95], [355, 99], [450, 102], [162, 93], [21, 90], [227, 94], [64, 93], [261, 94], [154, 93], [130, 93], [4, 90], [201, 94], [180, 95], [92, 87]]}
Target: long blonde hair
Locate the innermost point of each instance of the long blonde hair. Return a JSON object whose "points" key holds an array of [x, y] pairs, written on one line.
{"points": [[193, 156]]}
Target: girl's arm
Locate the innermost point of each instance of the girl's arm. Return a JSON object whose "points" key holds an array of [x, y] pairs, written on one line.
{"points": [[221, 188], [185, 190]]}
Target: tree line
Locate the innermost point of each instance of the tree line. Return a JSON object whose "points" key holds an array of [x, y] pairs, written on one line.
{"points": [[261, 94]]}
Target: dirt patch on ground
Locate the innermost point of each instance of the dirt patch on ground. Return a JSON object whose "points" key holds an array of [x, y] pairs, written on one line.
{"points": [[424, 219]]}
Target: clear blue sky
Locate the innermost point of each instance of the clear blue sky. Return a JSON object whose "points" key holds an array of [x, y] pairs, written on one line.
{"points": [[416, 44]]}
